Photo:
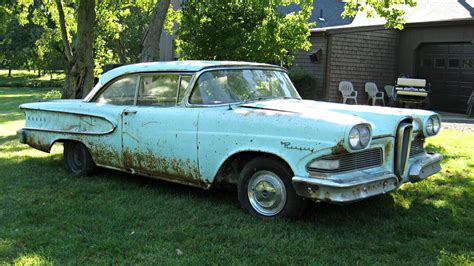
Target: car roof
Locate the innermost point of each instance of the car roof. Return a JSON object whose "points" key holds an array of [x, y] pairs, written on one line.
{"points": [[174, 66]]}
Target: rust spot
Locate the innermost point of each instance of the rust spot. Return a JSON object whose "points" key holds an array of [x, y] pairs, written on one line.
{"points": [[38, 144], [170, 169], [339, 148]]}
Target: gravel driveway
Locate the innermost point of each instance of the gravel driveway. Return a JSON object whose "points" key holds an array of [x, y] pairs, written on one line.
{"points": [[458, 126]]}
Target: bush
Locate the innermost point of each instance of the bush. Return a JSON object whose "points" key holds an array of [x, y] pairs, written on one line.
{"points": [[304, 81]]}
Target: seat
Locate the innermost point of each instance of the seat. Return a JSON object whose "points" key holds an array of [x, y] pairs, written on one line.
{"points": [[374, 93], [347, 90], [389, 90]]}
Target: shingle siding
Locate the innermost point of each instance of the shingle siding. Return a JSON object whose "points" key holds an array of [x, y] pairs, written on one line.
{"points": [[360, 57], [317, 69]]}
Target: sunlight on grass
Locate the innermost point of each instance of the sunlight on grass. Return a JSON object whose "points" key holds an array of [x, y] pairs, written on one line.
{"points": [[31, 259]]}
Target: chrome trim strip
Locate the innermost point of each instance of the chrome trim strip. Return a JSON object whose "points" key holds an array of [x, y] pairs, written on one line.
{"points": [[70, 132]]}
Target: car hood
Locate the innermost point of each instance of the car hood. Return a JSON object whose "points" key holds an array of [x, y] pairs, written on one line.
{"points": [[384, 120]]}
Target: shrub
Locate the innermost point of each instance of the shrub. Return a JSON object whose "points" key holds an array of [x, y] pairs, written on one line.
{"points": [[304, 81]]}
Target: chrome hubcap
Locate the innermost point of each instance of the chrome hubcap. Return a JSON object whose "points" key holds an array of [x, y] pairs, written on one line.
{"points": [[266, 193]]}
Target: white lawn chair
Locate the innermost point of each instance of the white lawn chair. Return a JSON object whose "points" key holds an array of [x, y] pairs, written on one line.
{"points": [[374, 93], [347, 91], [389, 90]]}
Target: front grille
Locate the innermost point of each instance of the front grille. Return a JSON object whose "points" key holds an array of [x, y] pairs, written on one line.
{"points": [[417, 147], [353, 161]]}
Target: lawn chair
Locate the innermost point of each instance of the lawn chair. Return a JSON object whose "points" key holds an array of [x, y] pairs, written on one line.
{"points": [[347, 90], [391, 96], [374, 93]]}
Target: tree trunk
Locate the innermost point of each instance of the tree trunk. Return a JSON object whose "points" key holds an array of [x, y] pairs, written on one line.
{"points": [[151, 40], [39, 72], [9, 72], [80, 64]]}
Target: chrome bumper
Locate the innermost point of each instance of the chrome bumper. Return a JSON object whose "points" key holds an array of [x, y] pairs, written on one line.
{"points": [[345, 190], [424, 166], [363, 184]]}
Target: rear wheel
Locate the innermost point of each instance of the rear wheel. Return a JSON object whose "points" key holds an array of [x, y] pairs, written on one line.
{"points": [[265, 189], [77, 158]]}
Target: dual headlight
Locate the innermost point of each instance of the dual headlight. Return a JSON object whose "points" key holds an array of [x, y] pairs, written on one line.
{"points": [[360, 136], [433, 125]]}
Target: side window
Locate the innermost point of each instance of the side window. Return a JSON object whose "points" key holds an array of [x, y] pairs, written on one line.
{"points": [[158, 90], [182, 87], [120, 92]]}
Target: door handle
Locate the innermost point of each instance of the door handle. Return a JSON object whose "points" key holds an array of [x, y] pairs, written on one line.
{"points": [[129, 112]]}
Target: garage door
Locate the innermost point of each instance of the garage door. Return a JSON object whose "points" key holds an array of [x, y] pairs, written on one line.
{"points": [[450, 70]]}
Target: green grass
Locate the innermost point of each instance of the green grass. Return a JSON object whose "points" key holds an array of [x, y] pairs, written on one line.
{"points": [[49, 216], [26, 78]]}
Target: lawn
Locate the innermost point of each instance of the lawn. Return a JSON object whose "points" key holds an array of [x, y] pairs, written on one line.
{"points": [[26, 78], [48, 216]]}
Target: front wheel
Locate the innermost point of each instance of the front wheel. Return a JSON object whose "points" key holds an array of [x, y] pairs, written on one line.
{"points": [[77, 159], [265, 189]]}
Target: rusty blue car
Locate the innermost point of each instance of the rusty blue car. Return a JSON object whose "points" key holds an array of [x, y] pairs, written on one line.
{"points": [[239, 124]]}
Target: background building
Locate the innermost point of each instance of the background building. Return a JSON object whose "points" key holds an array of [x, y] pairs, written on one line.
{"points": [[437, 44]]}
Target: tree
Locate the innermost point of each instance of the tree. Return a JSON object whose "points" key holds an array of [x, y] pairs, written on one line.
{"points": [[151, 40], [392, 10], [252, 30], [80, 61]]}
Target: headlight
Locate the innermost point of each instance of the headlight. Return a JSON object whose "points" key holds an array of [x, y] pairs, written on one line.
{"points": [[359, 137], [433, 125]]}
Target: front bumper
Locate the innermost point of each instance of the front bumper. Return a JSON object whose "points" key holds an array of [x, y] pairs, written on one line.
{"points": [[364, 184]]}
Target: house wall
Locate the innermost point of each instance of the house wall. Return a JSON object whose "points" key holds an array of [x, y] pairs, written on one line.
{"points": [[360, 57], [411, 38], [317, 69]]}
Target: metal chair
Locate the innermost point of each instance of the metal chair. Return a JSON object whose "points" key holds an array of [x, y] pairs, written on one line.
{"points": [[374, 93], [347, 90]]}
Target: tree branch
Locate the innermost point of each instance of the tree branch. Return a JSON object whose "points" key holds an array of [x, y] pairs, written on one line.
{"points": [[62, 25]]}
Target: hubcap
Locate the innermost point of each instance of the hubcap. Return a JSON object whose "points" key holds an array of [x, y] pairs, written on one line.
{"points": [[266, 193]]}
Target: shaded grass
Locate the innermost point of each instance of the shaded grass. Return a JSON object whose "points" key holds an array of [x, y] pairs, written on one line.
{"points": [[48, 216]]}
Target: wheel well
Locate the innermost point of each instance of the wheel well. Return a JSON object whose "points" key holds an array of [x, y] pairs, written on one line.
{"points": [[229, 171]]}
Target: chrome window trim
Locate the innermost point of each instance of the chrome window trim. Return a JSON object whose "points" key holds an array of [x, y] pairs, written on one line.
{"points": [[97, 90]]}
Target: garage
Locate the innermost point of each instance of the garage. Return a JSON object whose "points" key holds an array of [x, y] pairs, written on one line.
{"points": [[449, 68]]}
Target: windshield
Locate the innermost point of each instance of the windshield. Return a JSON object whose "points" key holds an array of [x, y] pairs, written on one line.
{"points": [[240, 85]]}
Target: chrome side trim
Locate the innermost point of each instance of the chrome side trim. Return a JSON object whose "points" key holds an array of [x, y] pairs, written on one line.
{"points": [[69, 131]]}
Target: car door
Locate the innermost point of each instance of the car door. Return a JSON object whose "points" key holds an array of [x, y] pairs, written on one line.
{"points": [[159, 137], [110, 102]]}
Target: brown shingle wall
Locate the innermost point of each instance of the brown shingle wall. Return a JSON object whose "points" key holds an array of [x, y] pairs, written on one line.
{"points": [[360, 57], [318, 69]]}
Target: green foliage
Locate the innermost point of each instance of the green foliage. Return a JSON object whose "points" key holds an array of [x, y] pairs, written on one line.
{"points": [[52, 94], [304, 81], [391, 10], [250, 30]]}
